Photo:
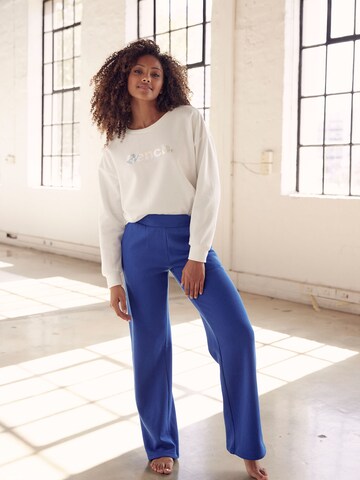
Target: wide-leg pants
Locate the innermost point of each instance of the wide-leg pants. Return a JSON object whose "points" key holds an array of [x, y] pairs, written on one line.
{"points": [[151, 247]]}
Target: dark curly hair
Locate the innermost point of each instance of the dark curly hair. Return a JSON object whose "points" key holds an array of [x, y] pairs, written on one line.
{"points": [[111, 101]]}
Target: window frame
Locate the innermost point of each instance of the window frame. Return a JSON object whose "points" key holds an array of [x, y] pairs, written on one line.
{"points": [[76, 24], [205, 62], [329, 41]]}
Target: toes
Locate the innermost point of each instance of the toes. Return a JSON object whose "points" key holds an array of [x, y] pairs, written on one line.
{"points": [[168, 468], [156, 467], [163, 467], [255, 470], [262, 475]]}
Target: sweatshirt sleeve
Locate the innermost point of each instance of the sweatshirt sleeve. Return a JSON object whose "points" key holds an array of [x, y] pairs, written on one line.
{"points": [[207, 196], [111, 222]]}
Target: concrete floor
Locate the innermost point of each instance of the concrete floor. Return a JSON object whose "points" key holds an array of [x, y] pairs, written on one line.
{"points": [[66, 400]]}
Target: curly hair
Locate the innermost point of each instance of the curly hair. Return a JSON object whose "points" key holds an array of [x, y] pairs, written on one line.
{"points": [[111, 101]]}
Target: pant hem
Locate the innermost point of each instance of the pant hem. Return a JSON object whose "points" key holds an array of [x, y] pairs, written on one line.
{"points": [[246, 456], [162, 454]]}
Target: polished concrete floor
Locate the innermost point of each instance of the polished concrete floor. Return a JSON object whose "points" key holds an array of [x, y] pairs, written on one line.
{"points": [[66, 387]]}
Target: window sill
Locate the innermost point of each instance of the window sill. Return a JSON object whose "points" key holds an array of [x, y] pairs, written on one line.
{"points": [[325, 196]]}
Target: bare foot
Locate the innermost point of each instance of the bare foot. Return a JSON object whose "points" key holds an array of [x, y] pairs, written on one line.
{"points": [[255, 470], [162, 465]]}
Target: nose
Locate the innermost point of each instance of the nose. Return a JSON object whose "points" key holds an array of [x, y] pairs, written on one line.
{"points": [[146, 78]]}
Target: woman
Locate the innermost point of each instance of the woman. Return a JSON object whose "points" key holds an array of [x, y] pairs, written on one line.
{"points": [[160, 193]]}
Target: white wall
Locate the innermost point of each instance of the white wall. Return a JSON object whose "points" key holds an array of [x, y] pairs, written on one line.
{"points": [[312, 241], [66, 218]]}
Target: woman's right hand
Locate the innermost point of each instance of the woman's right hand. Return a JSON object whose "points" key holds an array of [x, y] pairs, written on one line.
{"points": [[118, 302]]}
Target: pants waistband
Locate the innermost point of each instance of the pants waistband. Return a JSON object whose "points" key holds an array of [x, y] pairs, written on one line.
{"points": [[165, 220]]}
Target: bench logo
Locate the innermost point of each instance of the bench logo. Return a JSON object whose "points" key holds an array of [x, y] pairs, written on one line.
{"points": [[148, 155]]}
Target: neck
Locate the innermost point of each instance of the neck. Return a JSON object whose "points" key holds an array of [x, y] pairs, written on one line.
{"points": [[144, 114]]}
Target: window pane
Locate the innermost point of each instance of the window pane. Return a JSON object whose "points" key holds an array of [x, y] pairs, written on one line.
{"points": [[208, 44], [207, 87], [336, 180], [47, 16], [58, 13], [357, 65], [78, 10], [313, 71], [68, 73], [163, 42], [207, 115], [162, 16], [76, 148], [178, 45], [195, 12], [338, 116], [57, 108], [312, 121], [339, 68], [56, 140], [76, 171], [47, 141], [68, 107], [58, 75], [56, 172], [46, 171], [68, 12], [196, 83], [67, 171], [58, 45], [342, 17], [355, 171], [314, 22], [48, 88], [310, 170], [47, 109], [146, 18], [77, 72], [208, 10], [77, 41], [195, 46], [178, 14], [76, 105], [356, 119], [357, 28], [67, 144], [68, 43], [48, 47]]}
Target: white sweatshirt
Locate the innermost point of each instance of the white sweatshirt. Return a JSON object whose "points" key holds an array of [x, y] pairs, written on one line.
{"points": [[169, 167]]}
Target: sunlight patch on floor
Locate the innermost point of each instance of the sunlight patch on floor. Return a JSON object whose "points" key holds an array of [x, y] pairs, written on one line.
{"points": [[5, 265], [65, 413], [33, 296]]}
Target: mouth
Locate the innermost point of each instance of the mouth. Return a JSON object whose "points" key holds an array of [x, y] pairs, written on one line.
{"points": [[144, 87]]}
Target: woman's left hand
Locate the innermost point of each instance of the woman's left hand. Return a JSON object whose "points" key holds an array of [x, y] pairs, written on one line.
{"points": [[193, 278]]}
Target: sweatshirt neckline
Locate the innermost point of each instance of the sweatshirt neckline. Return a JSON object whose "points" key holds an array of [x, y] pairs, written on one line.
{"points": [[139, 131]]}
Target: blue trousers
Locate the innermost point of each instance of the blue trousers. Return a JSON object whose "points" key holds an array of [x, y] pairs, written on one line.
{"points": [[151, 247]]}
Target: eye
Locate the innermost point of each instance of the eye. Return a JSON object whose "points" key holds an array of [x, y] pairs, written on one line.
{"points": [[156, 75], [137, 71]]}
